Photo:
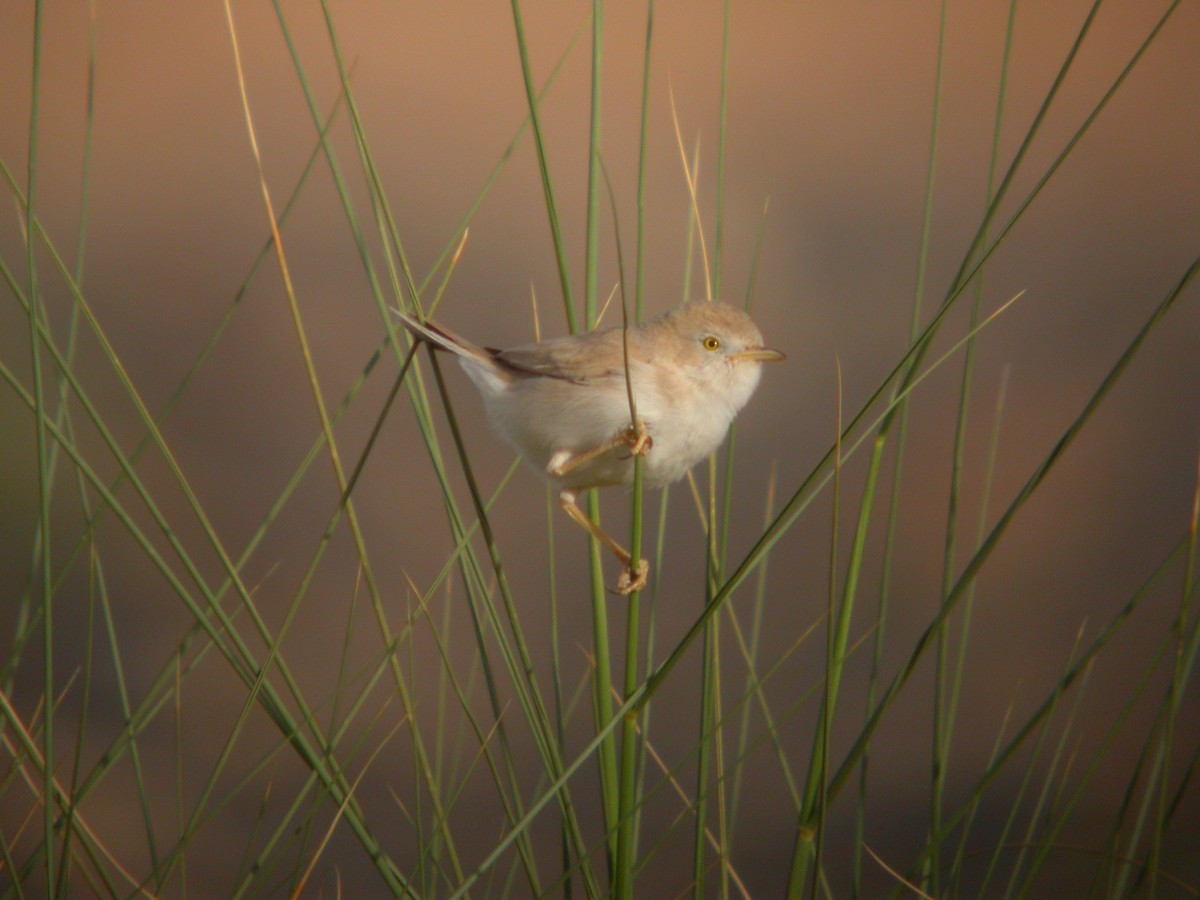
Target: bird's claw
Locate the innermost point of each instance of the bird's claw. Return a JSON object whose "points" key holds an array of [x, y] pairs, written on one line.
{"points": [[637, 439], [632, 580]]}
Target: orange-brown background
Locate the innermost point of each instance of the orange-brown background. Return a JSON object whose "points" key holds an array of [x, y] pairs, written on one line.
{"points": [[829, 117]]}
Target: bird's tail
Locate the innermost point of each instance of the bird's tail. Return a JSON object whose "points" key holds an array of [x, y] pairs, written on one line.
{"points": [[441, 338]]}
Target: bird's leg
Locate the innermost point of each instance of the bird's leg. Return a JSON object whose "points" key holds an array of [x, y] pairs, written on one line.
{"points": [[634, 577], [639, 442], [637, 439]]}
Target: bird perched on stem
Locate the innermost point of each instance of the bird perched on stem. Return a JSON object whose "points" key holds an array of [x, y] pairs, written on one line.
{"points": [[565, 403]]}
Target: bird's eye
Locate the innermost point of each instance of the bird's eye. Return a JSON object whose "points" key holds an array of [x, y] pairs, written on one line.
{"points": [[711, 343]]}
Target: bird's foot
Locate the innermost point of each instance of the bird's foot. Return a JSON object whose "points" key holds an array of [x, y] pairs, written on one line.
{"points": [[637, 439], [632, 579]]}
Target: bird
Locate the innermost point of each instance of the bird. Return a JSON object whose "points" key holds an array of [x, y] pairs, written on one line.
{"points": [[564, 404]]}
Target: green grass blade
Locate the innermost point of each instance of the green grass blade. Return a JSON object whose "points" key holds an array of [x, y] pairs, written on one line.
{"points": [[1031, 485], [43, 474], [719, 230], [630, 750], [560, 250]]}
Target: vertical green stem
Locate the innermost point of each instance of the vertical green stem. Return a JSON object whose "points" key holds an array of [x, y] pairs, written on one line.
{"points": [[711, 746], [592, 267], [602, 686], [710, 704], [626, 802], [602, 697], [947, 708], [818, 789], [937, 774], [43, 474], [703, 759], [560, 249], [556, 679], [718, 238], [627, 798]]}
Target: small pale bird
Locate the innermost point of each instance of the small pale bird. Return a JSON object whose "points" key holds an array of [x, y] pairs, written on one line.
{"points": [[564, 405]]}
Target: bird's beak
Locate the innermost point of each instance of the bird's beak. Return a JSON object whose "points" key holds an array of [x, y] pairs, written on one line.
{"points": [[759, 354]]}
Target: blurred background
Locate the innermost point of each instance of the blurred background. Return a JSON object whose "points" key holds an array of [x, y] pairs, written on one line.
{"points": [[829, 126]]}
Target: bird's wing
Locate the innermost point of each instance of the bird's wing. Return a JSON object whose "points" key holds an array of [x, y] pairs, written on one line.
{"points": [[597, 358]]}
